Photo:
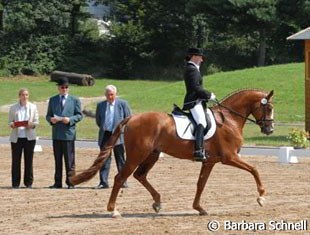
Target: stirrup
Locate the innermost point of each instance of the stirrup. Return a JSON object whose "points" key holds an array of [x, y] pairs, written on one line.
{"points": [[199, 156]]}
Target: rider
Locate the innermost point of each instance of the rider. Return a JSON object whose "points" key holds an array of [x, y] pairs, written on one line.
{"points": [[196, 98]]}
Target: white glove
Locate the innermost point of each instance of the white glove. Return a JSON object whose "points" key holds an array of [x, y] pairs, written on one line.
{"points": [[212, 97]]}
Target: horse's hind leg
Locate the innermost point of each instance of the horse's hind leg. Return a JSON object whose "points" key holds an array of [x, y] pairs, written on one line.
{"points": [[236, 161], [119, 180], [141, 173]]}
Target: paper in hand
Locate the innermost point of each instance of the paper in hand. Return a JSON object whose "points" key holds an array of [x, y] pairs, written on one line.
{"points": [[58, 118]]}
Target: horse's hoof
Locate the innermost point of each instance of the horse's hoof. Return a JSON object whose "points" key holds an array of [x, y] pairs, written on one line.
{"points": [[203, 213], [261, 201], [116, 214], [156, 206]]}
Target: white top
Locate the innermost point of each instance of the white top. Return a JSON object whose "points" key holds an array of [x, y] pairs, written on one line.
{"points": [[22, 115]]}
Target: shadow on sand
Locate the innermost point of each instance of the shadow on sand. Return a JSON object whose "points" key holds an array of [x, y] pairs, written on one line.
{"points": [[133, 215]]}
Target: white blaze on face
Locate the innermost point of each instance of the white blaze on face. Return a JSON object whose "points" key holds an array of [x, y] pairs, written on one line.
{"points": [[271, 117]]}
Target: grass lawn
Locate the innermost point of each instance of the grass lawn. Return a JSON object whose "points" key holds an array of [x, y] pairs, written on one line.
{"points": [[286, 80]]}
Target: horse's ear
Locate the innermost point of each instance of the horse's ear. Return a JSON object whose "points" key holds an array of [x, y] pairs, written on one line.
{"points": [[269, 95]]}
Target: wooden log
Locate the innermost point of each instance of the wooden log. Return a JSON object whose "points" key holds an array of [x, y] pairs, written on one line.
{"points": [[89, 113], [74, 78]]}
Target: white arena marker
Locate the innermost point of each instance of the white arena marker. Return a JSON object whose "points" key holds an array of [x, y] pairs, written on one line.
{"points": [[285, 155], [37, 148]]}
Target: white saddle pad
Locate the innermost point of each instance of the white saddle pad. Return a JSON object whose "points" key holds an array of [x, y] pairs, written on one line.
{"points": [[185, 128]]}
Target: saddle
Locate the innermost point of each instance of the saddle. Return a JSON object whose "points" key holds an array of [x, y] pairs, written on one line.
{"points": [[186, 125]]}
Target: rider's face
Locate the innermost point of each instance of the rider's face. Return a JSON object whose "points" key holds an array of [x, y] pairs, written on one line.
{"points": [[197, 59]]}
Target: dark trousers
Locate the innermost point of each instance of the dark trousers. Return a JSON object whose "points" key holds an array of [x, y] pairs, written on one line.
{"points": [[64, 148], [119, 154], [26, 146]]}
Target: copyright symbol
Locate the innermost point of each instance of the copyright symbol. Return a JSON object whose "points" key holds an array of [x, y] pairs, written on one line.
{"points": [[213, 225]]}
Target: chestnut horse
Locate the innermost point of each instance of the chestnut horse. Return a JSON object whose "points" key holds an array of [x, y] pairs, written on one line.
{"points": [[148, 134]]}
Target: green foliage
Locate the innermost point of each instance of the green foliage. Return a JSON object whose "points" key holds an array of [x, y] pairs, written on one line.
{"points": [[246, 33], [148, 36], [298, 138], [171, 30], [165, 30], [41, 30], [38, 55], [128, 47], [89, 29], [37, 17], [84, 54]]}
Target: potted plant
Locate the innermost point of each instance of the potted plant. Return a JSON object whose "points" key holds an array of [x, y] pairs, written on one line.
{"points": [[298, 138]]}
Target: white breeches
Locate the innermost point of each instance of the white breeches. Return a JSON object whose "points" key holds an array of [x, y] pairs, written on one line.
{"points": [[198, 114]]}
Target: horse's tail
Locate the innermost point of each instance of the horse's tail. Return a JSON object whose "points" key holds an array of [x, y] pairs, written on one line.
{"points": [[102, 157]]}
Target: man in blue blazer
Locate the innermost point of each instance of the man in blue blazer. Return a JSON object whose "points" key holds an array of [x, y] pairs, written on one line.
{"points": [[63, 112], [109, 114]]}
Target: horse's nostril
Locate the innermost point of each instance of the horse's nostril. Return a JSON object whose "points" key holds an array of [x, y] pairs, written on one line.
{"points": [[270, 131]]}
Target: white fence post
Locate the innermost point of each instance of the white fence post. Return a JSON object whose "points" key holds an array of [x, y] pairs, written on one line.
{"points": [[37, 148], [284, 155]]}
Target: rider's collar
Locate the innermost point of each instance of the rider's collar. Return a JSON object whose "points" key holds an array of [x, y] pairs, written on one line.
{"points": [[196, 65]]}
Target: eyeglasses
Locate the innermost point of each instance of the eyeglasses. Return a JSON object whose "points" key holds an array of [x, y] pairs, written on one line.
{"points": [[64, 87]]}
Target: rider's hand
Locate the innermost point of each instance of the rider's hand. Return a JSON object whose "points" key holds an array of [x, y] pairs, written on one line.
{"points": [[212, 97]]}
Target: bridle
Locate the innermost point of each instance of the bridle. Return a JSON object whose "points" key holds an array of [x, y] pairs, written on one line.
{"points": [[261, 122]]}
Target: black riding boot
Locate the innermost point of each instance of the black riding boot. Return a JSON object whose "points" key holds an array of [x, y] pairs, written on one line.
{"points": [[199, 150]]}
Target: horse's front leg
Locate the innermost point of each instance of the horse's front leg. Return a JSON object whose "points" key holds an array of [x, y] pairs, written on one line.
{"points": [[236, 161], [205, 171]]}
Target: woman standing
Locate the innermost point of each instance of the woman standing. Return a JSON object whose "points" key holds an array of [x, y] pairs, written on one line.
{"points": [[23, 119]]}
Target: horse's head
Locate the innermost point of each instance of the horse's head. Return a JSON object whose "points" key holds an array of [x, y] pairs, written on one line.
{"points": [[263, 114]]}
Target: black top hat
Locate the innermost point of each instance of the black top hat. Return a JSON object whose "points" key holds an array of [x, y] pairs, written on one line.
{"points": [[63, 81], [195, 51]]}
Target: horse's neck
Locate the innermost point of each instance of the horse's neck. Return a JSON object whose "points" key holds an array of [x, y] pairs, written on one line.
{"points": [[241, 103]]}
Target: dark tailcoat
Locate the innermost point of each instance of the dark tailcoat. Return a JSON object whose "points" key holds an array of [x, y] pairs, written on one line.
{"points": [[194, 87]]}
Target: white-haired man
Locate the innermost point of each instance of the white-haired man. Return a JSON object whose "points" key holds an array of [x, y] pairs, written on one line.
{"points": [[109, 113]]}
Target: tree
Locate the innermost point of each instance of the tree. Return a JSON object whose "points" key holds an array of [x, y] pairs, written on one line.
{"points": [[253, 19], [293, 17], [148, 35], [259, 19], [41, 30], [165, 29], [171, 29], [252, 32], [3, 4]]}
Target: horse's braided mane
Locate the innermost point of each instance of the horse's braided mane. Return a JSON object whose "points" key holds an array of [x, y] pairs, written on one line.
{"points": [[241, 90]]}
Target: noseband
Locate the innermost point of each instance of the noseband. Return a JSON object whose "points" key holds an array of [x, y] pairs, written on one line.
{"points": [[262, 122]]}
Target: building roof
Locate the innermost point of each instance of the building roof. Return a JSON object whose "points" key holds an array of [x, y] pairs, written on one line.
{"points": [[301, 35]]}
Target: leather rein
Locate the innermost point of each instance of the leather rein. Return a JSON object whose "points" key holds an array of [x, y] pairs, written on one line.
{"points": [[264, 102]]}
